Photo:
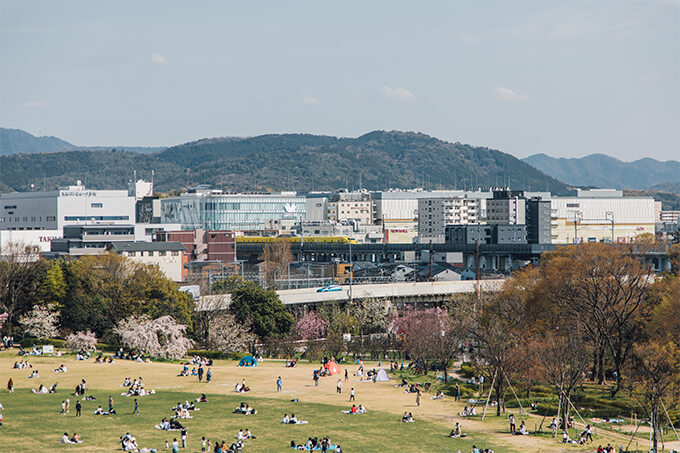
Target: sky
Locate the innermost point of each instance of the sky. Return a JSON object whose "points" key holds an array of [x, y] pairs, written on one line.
{"points": [[567, 79]]}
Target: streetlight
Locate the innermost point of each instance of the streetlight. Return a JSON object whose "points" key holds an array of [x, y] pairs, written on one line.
{"points": [[607, 216]]}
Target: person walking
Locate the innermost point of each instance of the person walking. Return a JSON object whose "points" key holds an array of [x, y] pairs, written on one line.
{"points": [[346, 375], [208, 375], [10, 385], [204, 444], [419, 397], [111, 410], [316, 378], [279, 384], [175, 446], [136, 409], [351, 394], [339, 388], [184, 438], [457, 392], [78, 408], [589, 434], [68, 405], [200, 373], [63, 408], [512, 424]]}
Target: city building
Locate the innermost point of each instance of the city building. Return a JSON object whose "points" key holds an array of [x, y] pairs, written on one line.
{"points": [[202, 245], [168, 256], [354, 206], [89, 239], [601, 215], [486, 234], [538, 221], [218, 211], [434, 214], [72, 205], [507, 207]]}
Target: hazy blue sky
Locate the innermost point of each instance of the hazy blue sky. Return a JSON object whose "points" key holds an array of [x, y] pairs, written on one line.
{"points": [[563, 78]]}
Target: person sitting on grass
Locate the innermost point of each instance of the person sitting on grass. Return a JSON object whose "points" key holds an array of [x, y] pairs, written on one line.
{"points": [[407, 418], [164, 425], [202, 398], [439, 395], [245, 409], [34, 374], [522, 431], [41, 390], [286, 419], [457, 431], [60, 369]]}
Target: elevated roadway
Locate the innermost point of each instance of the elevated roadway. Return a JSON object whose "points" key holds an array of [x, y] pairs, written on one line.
{"points": [[398, 294]]}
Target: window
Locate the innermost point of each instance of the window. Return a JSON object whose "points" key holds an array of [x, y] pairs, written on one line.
{"points": [[11, 207], [572, 205], [149, 253], [50, 218], [161, 253], [175, 253], [96, 205], [132, 253]]}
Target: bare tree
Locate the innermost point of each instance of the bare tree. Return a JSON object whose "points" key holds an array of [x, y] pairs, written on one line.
{"points": [[18, 282], [277, 259]]}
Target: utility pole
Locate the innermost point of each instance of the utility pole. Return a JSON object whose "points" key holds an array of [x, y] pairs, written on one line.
{"points": [[611, 214], [429, 278], [351, 270], [477, 272]]}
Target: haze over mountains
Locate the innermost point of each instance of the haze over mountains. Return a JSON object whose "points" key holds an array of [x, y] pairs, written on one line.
{"points": [[300, 162], [600, 170]]}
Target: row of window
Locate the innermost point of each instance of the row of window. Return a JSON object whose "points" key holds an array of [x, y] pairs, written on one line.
{"points": [[152, 253], [49, 218]]}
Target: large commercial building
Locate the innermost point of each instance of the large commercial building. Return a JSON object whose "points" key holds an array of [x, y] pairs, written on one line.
{"points": [[72, 205], [486, 234], [350, 206], [601, 215], [214, 210]]}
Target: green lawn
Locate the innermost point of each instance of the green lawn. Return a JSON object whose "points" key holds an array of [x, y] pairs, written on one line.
{"points": [[33, 423]]}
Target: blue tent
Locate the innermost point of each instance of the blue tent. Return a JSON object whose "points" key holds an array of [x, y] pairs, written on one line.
{"points": [[248, 361]]}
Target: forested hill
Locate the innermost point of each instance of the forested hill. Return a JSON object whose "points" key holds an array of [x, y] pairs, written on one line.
{"points": [[299, 162]]}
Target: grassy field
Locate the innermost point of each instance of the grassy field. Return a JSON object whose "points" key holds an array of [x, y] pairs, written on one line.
{"points": [[32, 422]]}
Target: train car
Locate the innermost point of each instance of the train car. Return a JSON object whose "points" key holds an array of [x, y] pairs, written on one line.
{"points": [[295, 239]]}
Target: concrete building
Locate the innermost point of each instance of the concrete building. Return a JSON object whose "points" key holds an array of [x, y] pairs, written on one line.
{"points": [[435, 213], [201, 245], [168, 256], [72, 205], [506, 208], [486, 234], [539, 221], [354, 206], [215, 210], [39, 238], [601, 215], [91, 239]]}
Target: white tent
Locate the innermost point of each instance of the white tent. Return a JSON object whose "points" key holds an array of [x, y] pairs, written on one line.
{"points": [[382, 376]]}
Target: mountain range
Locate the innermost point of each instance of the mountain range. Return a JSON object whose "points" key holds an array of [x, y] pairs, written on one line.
{"points": [[300, 162], [16, 141], [599, 170]]}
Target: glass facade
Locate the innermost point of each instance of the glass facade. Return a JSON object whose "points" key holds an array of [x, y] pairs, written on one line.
{"points": [[214, 211]]}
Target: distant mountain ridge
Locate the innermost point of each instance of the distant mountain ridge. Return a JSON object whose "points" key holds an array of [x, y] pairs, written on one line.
{"points": [[603, 171], [299, 162], [17, 141]]}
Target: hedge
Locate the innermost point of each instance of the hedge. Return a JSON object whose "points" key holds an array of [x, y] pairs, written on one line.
{"points": [[216, 354]]}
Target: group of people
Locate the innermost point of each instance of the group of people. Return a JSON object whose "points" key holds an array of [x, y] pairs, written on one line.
{"points": [[313, 443], [245, 409], [7, 341], [21, 365], [468, 412], [60, 369], [242, 387], [457, 431], [169, 425], [355, 410], [135, 387], [407, 418], [292, 420], [75, 439]]}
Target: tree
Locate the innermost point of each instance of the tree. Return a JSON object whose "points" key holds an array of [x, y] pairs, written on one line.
{"points": [[604, 288], [53, 286], [370, 313], [20, 274], [311, 326], [423, 332], [41, 322], [81, 340], [228, 284], [161, 337], [228, 335], [277, 259], [560, 360], [261, 308]]}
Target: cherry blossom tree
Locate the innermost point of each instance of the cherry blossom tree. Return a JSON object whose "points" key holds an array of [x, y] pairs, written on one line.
{"points": [[41, 322], [82, 340], [3, 318], [228, 335], [311, 326], [423, 332], [160, 337]]}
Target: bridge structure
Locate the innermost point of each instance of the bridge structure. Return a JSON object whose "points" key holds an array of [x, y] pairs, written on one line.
{"points": [[396, 295]]}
